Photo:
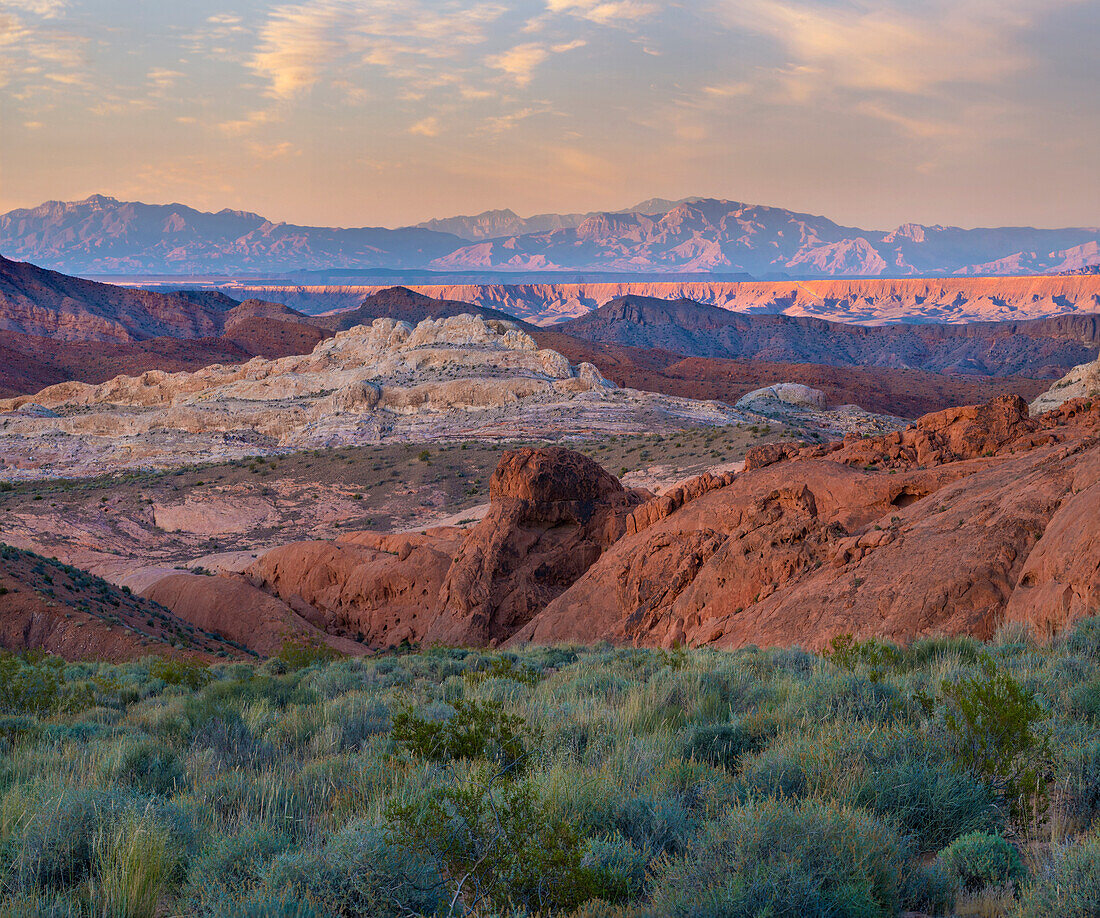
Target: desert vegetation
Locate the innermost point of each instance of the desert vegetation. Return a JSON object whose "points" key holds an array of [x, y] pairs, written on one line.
{"points": [[949, 777]]}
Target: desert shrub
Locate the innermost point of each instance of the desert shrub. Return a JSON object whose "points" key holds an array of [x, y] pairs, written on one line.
{"points": [[725, 744], [848, 653], [1085, 699], [189, 673], [995, 723], [1078, 785], [777, 857], [267, 905], [979, 860], [475, 730], [235, 861], [54, 835], [930, 889], [358, 871], [233, 743], [926, 651], [272, 798], [1084, 639], [295, 655], [34, 905], [134, 866], [933, 802], [501, 844], [148, 766], [845, 695], [620, 865], [1068, 887]]}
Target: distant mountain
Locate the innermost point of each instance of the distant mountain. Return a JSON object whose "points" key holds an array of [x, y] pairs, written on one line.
{"points": [[493, 224], [727, 236], [1039, 348], [101, 235]]}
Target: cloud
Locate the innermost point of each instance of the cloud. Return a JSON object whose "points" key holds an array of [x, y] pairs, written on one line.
{"points": [[604, 12], [247, 124], [909, 48], [520, 62], [426, 127], [299, 43], [47, 9], [270, 151]]}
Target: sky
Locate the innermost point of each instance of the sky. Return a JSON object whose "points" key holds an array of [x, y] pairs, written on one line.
{"points": [[389, 112]]}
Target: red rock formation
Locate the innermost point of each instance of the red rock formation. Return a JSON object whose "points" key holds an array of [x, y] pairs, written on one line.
{"points": [[376, 587], [965, 520], [231, 606], [552, 513]]}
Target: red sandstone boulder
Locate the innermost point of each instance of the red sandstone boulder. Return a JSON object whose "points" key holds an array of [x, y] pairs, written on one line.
{"points": [[552, 513]]}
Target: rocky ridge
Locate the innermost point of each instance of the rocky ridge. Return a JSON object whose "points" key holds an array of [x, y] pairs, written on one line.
{"points": [[456, 377], [964, 521]]}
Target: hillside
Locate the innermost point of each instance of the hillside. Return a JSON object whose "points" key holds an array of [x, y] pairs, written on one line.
{"points": [[52, 607], [1044, 348]]}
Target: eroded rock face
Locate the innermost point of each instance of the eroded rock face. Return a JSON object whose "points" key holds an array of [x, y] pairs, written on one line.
{"points": [[970, 518], [1081, 382], [459, 376], [552, 513]]}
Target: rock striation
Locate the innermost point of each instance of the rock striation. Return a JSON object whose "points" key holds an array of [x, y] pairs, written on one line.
{"points": [[1081, 382], [454, 377], [966, 520]]}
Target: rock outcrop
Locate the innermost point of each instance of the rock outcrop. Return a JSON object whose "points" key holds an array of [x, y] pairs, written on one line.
{"points": [[552, 513], [1081, 382], [452, 378], [231, 606], [967, 519]]}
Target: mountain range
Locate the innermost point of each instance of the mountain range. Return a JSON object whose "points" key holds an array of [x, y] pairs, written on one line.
{"points": [[101, 235]]}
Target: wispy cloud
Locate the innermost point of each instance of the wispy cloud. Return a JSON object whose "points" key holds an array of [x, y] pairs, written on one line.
{"points": [[910, 47], [520, 62], [426, 127], [605, 12], [301, 42]]}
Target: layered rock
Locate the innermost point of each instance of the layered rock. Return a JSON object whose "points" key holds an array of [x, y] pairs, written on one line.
{"points": [[1081, 382], [967, 519], [455, 377]]}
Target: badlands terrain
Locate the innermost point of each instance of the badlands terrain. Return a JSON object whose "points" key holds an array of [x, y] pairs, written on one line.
{"points": [[422, 469]]}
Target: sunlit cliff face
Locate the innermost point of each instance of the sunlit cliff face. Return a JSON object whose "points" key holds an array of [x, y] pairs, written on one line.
{"points": [[353, 112]]}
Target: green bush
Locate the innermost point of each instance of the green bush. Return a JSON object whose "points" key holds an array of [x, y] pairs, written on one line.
{"points": [[475, 730], [295, 655], [1079, 785], [1069, 887], [501, 845], [150, 767], [725, 744], [996, 726], [979, 860], [777, 857]]}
